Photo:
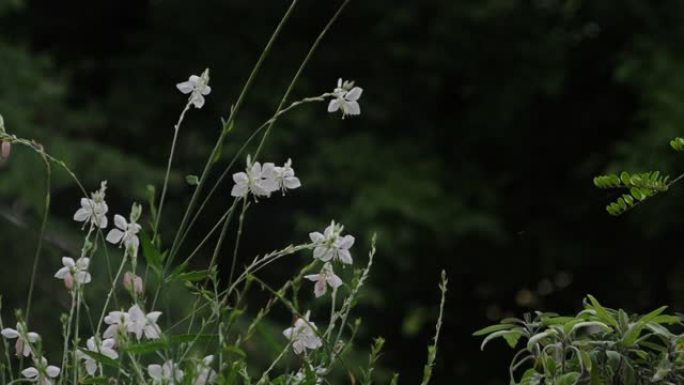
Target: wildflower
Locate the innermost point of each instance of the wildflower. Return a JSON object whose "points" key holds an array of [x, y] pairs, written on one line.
{"points": [[300, 377], [346, 98], [168, 373], [74, 272], [261, 181], [118, 322], [303, 335], [323, 279], [197, 87], [205, 374], [141, 323], [21, 347], [285, 177], [93, 211], [126, 233], [133, 282], [106, 348], [42, 373], [5, 152], [332, 245]]}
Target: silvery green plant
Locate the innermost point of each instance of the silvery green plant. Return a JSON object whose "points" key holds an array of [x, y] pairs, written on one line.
{"points": [[133, 339], [597, 346]]}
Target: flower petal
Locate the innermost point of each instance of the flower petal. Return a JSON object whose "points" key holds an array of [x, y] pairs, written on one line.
{"points": [[81, 215], [185, 87], [354, 94], [9, 333], [120, 222], [114, 236], [334, 105], [52, 371], [30, 372]]}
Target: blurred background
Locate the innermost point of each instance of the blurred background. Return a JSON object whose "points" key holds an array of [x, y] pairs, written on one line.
{"points": [[483, 123]]}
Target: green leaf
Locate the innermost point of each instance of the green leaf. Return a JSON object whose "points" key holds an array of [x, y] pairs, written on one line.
{"points": [[538, 337], [602, 313], [192, 180], [677, 144], [492, 328], [531, 377], [192, 276], [234, 349], [152, 256], [568, 378], [498, 334], [591, 324], [101, 358], [146, 347]]}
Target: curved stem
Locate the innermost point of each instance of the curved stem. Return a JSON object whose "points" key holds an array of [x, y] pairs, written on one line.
{"points": [[225, 129], [39, 246], [176, 129]]}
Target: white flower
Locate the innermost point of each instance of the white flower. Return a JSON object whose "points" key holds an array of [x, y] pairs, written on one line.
{"points": [[42, 374], [332, 245], [168, 373], [74, 271], [300, 377], [323, 279], [141, 323], [126, 234], [197, 87], [346, 98], [94, 210], [106, 348], [261, 181], [303, 335], [118, 322], [21, 347], [285, 177], [205, 374]]}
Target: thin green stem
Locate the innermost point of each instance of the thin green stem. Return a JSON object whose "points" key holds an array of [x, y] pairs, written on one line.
{"points": [[111, 291], [39, 246], [176, 129], [308, 57], [225, 129]]}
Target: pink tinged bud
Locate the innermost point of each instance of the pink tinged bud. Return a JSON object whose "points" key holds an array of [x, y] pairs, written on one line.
{"points": [[19, 347], [138, 285], [133, 283], [69, 281], [5, 150], [127, 281]]}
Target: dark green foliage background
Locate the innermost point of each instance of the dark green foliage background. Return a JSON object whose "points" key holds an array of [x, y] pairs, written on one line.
{"points": [[484, 122]]}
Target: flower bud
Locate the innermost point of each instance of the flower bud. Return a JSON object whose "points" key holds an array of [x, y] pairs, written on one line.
{"points": [[69, 281], [133, 283], [5, 153]]}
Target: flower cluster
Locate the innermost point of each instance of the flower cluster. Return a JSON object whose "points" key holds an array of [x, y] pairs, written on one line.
{"points": [[346, 99], [26, 345], [134, 321], [262, 180], [329, 246]]}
